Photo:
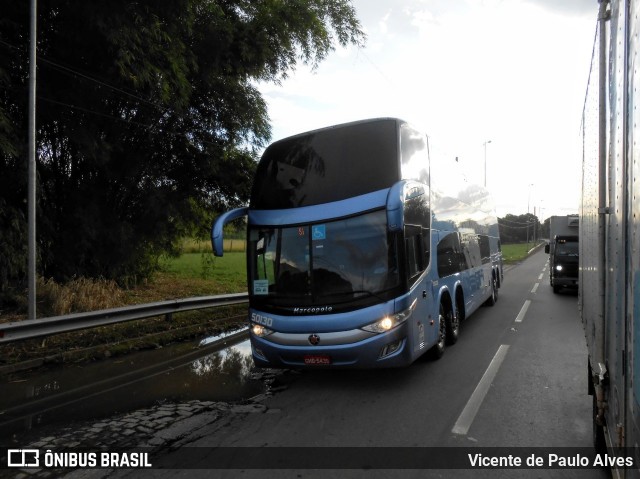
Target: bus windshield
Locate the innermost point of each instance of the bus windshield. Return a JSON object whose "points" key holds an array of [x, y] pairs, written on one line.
{"points": [[328, 266]]}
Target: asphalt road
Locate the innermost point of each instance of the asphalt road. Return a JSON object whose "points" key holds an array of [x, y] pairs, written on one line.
{"points": [[512, 388], [516, 382]]}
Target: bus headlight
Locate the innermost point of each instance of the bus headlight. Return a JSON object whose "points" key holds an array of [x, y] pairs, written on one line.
{"points": [[559, 267], [389, 322], [260, 330]]}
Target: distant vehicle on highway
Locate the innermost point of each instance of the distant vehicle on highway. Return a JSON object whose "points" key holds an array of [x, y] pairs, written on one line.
{"points": [[363, 250], [563, 251]]}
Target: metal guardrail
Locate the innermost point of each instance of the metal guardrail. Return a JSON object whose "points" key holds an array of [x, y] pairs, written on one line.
{"points": [[35, 328]]}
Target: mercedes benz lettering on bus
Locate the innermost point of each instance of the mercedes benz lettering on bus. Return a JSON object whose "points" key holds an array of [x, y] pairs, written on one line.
{"points": [[362, 251]]}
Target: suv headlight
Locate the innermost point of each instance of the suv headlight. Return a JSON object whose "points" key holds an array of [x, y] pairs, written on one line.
{"points": [[389, 322]]}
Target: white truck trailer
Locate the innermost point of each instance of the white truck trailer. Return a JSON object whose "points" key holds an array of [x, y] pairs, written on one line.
{"points": [[609, 279]]}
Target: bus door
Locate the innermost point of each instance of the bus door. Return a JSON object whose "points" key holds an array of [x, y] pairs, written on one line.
{"points": [[409, 215], [417, 260]]}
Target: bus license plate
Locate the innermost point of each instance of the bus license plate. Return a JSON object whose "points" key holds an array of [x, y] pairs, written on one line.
{"points": [[317, 360]]}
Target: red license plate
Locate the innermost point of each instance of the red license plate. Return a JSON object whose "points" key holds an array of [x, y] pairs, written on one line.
{"points": [[317, 360]]}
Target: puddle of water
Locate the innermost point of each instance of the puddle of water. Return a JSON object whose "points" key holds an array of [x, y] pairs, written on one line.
{"points": [[70, 393], [218, 337]]}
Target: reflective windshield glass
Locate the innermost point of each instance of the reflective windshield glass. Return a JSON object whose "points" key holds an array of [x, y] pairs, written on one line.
{"points": [[327, 165], [567, 248], [334, 264]]}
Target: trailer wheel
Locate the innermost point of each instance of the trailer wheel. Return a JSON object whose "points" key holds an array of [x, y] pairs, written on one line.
{"points": [[438, 349]]}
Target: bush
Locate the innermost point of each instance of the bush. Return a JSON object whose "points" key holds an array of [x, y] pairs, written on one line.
{"points": [[76, 296]]}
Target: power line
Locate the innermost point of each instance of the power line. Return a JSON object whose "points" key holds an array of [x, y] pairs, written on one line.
{"points": [[503, 221], [71, 71], [518, 227]]}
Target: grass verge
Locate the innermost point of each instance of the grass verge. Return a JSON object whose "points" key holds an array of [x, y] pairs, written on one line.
{"points": [[191, 274], [516, 252]]}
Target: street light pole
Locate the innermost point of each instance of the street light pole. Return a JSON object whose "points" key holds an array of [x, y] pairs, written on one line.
{"points": [[528, 211], [31, 187], [485, 162]]}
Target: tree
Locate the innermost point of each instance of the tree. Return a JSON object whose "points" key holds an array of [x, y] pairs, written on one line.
{"points": [[148, 118], [518, 229]]}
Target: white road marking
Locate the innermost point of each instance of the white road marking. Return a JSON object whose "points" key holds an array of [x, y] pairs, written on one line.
{"points": [[475, 401], [541, 276], [535, 287], [523, 311]]}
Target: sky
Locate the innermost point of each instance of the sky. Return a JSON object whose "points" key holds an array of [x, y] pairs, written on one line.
{"points": [[465, 72]]}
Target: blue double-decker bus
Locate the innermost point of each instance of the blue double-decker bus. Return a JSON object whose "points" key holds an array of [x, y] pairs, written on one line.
{"points": [[362, 250]]}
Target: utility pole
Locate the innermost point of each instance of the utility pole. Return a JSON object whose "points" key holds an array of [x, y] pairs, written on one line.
{"points": [[528, 211], [535, 225], [31, 199]]}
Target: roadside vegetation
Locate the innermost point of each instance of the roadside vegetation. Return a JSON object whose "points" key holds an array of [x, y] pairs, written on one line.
{"points": [[516, 252], [141, 145], [196, 272]]}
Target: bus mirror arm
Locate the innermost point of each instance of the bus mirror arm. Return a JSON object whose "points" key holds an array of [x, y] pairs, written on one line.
{"points": [[217, 234]]}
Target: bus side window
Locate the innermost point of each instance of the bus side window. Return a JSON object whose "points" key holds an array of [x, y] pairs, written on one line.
{"points": [[264, 258], [450, 257], [471, 251], [485, 249], [463, 263], [417, 218], [415, 251]]}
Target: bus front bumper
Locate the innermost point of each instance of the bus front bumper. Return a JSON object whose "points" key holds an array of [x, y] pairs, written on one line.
{"points": [[385, 350]]}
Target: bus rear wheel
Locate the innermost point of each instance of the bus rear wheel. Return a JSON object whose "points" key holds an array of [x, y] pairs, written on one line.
{"points": [[452, 323], [438, 349], [493, 299]]}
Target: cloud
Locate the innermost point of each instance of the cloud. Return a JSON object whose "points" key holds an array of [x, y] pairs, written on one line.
{"points": [[465, 72], [383, 24], [570, 7]]}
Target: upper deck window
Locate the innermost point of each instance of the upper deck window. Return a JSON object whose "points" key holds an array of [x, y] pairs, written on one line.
{"points": [[328, 165]]}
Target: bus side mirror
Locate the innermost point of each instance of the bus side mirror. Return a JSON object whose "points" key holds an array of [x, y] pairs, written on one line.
{"points": [[217, 236], [395, 220], [546, 248]]}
